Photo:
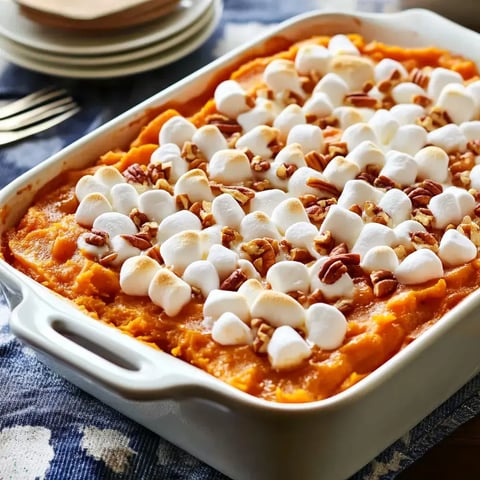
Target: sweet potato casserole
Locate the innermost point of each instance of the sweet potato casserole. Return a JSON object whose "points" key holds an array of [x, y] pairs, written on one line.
{"points": [[310, 220]]}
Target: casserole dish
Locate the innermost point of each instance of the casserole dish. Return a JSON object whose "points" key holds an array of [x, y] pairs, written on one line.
{"points": [[240, 435]]}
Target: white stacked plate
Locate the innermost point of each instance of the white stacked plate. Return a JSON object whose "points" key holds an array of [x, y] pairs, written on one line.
{"points": [[109, 54]]}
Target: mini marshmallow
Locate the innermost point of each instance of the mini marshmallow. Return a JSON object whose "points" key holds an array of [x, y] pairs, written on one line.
{"points": [[124, 198], [114, 224], [326, 326], [156, 204], [343, 287], [109, 176], [384, 125], [456, 249], [302, 235], [258, 225], [176, 223], [341, 45], [344, 225], [89, 184], [263, 113], [432, 164], [400, 167], [289, 276], [164, 151], [195, 185], [473, 88], [403, 232], [405, 92], [278, 309], [475, 177], [280, 75], [170, 154], [209, 140], [366, 153], [407, 113], [456, 100], [257, 141], [373, 235], [409, 139], [319, 104], [312, 58], [227, 211], [230, 330], [347, 116], [355, 134], [136, 274], [465, 200], [251, 289], [340, 170], [230, 98], [471, 130], [229, 166], [247, 268], [182, 249], [419, 267], [334, 86], [288, 212], [297, 184], [439, 78], [267, 200], [356, 71], [386, 68], [287, 349], [449, 137], [203, 275], [291, 116], [169, 292], [310, 137], [123, 249], [177, 130], [397, 205], [292, 154], [380, 258], [223, 259], [357, 192], [221, 301], [92, 206], [445, 209], [211, 236]]}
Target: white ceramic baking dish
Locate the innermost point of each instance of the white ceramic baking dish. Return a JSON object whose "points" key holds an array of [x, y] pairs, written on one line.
{"points": [[238, 434]]}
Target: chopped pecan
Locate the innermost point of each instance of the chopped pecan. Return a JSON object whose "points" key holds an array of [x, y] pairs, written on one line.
{"points": [[241, 194], [461, 179], [157, 171], [323, 186], [422, 100], [437, 118], [301, 255], [470, 229], [384, 182], [375, 214], [323, 122], [366, 177], [474, 146], [259, 185], [190, 152], [384, 283], [324, 243], [461, 162], [286, 170], [107, 259], [225, 124], [257, 164], [138, 217], [424, 240], [345, 305], [316, 160], [420, 197], [148, 230], [234, 281], [316, 297], [337, 148], [183, 201], [355, 208], [97, 238], [136, 173], [230, 236], [137, 241], [339, 249], [299, 296], [423, 215], [162, 184], [361, 100], [263, 333], [308, 200], [262, 254], [419, 77], [154, 252], [336, 266], [316, 214]]}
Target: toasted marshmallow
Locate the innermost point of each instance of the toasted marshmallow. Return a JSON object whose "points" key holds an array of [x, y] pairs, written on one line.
{"points": [[289, 276], [156, 204], [445, 209], [169, 292], [407, 113], [466, 201], [230, 98], [341, 45], [409, 139], [247, 268], [109, 176], [258, 225], [475, 177], [221, 301], [339, 171], [229, 166], [439, 78], [230, 330], [366, 153], [449, 137], [292, 154], [182, 249], [258, 140], [456, 249], [357, 192], [347, 116], [203, 275], [400, 167], [356, 71], [164, 152], [267, 200], [457, 101], [92, 206], [302, 235], [298, 183], [405, 92], [344, 225], [397, 205], [177, 222], [177, 130], [373, 235], [136, 274], [209, 140], [355, 134], [251, 289], [211, 236], [89, 184], [291, 116], [313, 58], [471, 130], [343, 287], [380, 258], [288, 212], [326, 326], [387, 68], [334, 86], [169, 155], [310, 137], [115, 223], [278, 309], [280, 75], [123, 248], [319, 104], [226, 211], [195, 185], [223, 259], [419, 267], [403, 232], [263, 113], [124, 198], [287, 349], [432, 164], [384, 125]]}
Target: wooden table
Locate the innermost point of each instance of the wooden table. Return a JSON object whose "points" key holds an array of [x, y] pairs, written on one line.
{"points": [[457, 457]]}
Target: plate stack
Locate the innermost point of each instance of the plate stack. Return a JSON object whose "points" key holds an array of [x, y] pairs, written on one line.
{"points": [[103, 38]]}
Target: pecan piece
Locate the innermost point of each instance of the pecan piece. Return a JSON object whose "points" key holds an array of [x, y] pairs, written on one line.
{"points": [[424, 240], [234, 281], [136, 173], [241, 194], [137, 241], [229, 236], [323, 185], [97, 238], [336, 266], [262, 254], [263, 333], [107, 259], [286, 170], [138, 217], [384, 283], [361, 100]]}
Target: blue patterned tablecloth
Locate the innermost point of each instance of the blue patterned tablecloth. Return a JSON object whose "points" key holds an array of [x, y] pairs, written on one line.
{"points": [[51, 430]]}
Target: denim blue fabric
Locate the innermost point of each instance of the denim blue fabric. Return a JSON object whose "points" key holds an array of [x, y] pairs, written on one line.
{"points": [[49, 429]]}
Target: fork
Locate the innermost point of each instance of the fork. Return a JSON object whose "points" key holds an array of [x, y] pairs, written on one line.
{"points": [[35, 113]]}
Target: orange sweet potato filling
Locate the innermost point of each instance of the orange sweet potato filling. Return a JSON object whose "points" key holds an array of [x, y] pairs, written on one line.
{"points": [[43, 245]]}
